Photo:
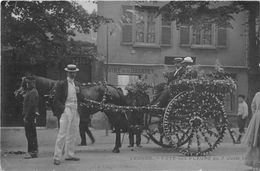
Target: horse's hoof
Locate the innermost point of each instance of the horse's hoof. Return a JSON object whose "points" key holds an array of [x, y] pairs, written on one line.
{"points": [[116, 150]]}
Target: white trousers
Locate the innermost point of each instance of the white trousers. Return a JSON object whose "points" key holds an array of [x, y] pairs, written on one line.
{"points": [[66, 139]]}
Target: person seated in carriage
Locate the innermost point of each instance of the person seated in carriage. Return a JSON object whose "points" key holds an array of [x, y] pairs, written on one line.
{"points": [[180, 70]]}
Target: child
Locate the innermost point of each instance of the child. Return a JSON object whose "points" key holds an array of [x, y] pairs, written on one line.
{"points": [[241, 116], [252, 135]]}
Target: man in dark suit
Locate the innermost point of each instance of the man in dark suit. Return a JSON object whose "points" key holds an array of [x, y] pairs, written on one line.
{"points": [[66, 105], [180, 71], [30, 110]]}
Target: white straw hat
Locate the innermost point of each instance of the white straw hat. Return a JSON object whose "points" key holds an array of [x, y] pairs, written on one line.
{"points": [[71, 68], [187, 60]]}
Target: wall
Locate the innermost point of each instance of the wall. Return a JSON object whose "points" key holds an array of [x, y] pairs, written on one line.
{"points": [[233, 55]]}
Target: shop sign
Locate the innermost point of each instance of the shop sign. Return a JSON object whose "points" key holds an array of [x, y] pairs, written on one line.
{"points": [[130, 70]]}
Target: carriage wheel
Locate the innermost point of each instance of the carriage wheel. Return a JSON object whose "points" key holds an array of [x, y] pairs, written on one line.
{"points": [[195, 123], [155, 131]]}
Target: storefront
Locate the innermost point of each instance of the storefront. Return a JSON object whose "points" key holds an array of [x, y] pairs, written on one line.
{"points": [[123, 74]]}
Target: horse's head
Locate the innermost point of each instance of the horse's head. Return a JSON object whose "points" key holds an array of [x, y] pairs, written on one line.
{"points": [[20, 92]]}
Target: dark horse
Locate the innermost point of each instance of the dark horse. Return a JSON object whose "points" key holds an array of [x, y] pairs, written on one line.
{"points": [[116, 97], [137, 98], [46, 87]]}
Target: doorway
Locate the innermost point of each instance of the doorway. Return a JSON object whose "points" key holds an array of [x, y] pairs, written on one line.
{"points": [[124, 80]]}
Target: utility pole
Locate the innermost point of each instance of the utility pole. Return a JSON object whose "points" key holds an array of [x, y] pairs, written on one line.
{"points": [[107, 55], [107, 65]]}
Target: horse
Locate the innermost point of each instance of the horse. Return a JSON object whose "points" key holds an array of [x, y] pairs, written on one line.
{"points": [[137, 98], [46, 87], [116, 97]]}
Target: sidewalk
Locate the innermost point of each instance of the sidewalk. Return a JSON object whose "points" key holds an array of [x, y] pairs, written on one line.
{"points": [[98, 156]]}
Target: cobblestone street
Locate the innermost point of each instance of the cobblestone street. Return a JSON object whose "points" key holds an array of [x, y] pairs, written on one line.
{"points": [[99, 156]]}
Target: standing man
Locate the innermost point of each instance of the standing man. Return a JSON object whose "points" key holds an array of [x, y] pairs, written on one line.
{"points": [[30, 110], [66, 104], [242, 114]]}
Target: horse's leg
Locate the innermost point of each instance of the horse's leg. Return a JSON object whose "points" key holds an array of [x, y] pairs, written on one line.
{"points": [[118, 140]]}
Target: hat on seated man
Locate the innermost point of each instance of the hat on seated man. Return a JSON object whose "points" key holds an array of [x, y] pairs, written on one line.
{"points": [[187, 60]]}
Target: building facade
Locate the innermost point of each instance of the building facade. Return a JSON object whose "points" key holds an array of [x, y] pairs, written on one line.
{"points": [[140, 43]]}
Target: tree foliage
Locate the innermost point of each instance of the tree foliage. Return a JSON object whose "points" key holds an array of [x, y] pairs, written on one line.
{"points": [[197, 13], [43, 30]]}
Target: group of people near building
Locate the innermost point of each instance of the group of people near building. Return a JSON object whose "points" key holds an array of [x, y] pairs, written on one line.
{"points": [[66, 106]]}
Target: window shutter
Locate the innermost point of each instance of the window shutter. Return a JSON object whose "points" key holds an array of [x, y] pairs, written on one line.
{"points": [[185, 36], [166, 34], [127, 27], [221, 37]]}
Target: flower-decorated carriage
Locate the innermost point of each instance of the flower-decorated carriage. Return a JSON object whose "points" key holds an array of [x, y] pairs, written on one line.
{"points": [[194, 121]]}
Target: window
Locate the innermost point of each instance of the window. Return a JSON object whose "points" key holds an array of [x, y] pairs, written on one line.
{"points": [[207, 37], [221, 37], [202, 36], [142, 27], [185, 36], [166, 33], [146, 25], [127, 24]]}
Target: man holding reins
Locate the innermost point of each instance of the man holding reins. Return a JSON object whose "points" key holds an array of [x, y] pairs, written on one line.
{"points": [[30, 111]]}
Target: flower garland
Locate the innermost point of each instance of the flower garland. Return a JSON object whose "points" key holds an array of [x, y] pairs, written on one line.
{"points": [[105, 107], [217, 87]]}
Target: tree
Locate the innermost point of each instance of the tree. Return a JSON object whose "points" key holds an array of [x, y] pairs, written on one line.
{"points": [[197, 13], [43, 30]]}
